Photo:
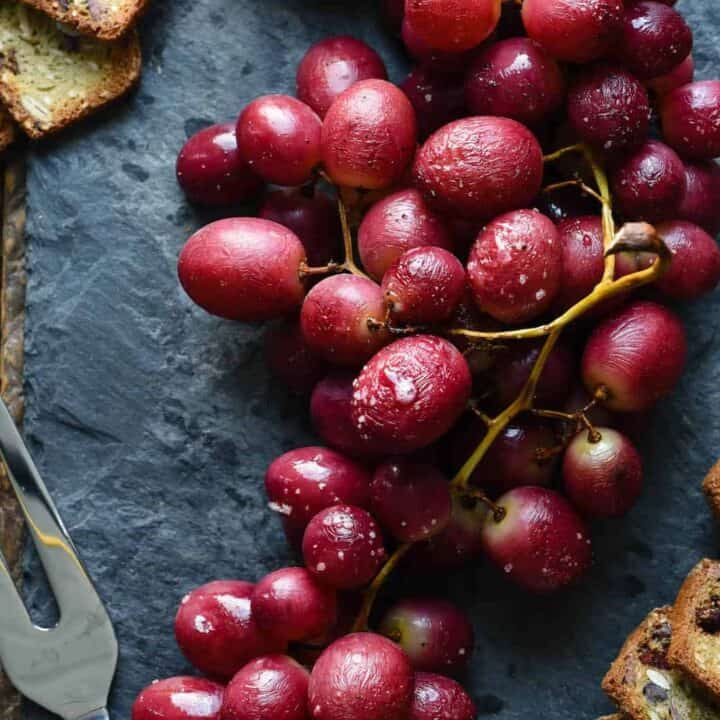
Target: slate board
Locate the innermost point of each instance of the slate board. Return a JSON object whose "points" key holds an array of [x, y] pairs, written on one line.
{"points": [[153, 422]]}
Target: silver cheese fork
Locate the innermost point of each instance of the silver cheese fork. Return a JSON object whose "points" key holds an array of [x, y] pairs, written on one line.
{"points": [[67, 669]]}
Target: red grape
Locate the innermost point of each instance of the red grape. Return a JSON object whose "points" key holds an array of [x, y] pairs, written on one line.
{"points": [[397, 223], [579, 399], [440, 698], [291, 606], [312, 216], [655, 39], [635, 356], [279, 137], [243, 269], [700, 203], [210, 171], [217, 631], [690, 118], [411, 393], [424, 286], [479, 167], [343, 547], [515, 266], [289, 358], [435, 635], [333, 65], [515, 78], [541, 544], [361, 677], [648, 183], [269, 688], [335, 315], [411, 500], [574, 31], [603, 478], [681, 74], [369, 136], [452, 25], [609, 108], [179, 698]]}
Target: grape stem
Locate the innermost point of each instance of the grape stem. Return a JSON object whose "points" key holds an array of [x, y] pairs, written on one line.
{"points": [[349, 263], [573, 183]]}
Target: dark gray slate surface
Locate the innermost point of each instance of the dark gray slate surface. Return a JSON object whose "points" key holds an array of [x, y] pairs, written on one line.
{"points": [[153, 422]]}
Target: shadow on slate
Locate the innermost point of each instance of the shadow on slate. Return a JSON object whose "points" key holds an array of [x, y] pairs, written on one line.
{"points": [[153, 422]]}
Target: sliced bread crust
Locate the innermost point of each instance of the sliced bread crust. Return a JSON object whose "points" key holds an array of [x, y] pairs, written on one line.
{"points": [[711, 486]]}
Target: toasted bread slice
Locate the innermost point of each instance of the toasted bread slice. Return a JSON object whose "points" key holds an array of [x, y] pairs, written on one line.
{"points": [[103, 19], [49, 79], [711, 486], [642, 683], [8, 129]]}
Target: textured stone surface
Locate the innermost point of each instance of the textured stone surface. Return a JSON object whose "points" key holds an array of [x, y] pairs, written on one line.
{"points": [[153, 422]]}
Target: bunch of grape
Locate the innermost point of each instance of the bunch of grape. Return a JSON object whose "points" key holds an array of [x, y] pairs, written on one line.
{"points": [[470, 275]]}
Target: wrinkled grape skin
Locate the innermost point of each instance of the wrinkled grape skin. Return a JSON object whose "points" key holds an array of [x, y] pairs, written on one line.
{"points": [[515, 78], [435, 635], [243, 269], [361, 676], [369, 136], [542, 543], [690, 117], [648, 183], [424, 286], [700, 202], [279, 138], [655, 39], [440, 698], [637, 354], [609, 108], [575, 31], [515, 266], [343, 547], [210, 171], [453, 25], [179, 698], [677, 77], [334, 319], [269, 688], [333, 65], [602, 479], [289, 358], [410, 500], [411, 393], [479, 167], [695, 266]]}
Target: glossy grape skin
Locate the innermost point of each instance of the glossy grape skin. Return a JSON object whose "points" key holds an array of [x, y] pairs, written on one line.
{"points": [[515, 78], [515, 266], [690, 117], [210, 171], [244, 269], [290, 605], [312, 216], [279, 138], [424, 286], [395, 224], [440, 698], [573, 31], [179, 698], [334, 319], [333, 65], [602, 479], [609, 108], [680, 75], [695, 266], [410, 500], [434, 634], [410, 394], [477, 168], [648, 183], [541, 544], [369, 136], [270, 688], [700, 202], [655, 39], [217, 631], [636, 355], [289, 358], [362, 675], [453, 25], [441, 61]]}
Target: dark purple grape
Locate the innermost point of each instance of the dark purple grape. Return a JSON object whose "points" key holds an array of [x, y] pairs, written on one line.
{"points": [[680, 75], [440, 698], [700, 203], [690, 118]]}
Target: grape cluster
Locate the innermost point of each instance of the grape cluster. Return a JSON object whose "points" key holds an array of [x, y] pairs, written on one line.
{"points": [[470, 276]]}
